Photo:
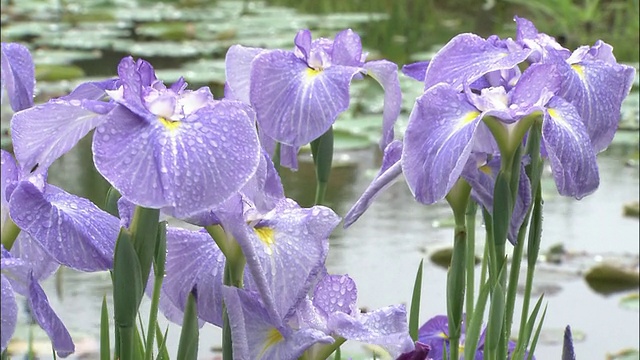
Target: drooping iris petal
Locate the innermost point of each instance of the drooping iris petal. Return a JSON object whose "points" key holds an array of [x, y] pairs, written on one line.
{"points": [[238, 71], [482, 181], [191, 165], [291, 244], [72, 229], [194, 261], [256, 336], [389, 172], [467, 57], [48, 320], [93, 90], [31, 252], [9, 173], [134, 75], [9, 310], [386, 73], [572, 158], [419, 353], [437, 142], [296, 104], [386, 327], [435, 333], [18, 75], [540, 43], [45, 132], [597, 89]]}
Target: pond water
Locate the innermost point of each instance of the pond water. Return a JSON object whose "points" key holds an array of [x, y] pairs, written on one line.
{"points": [[383, 249]]}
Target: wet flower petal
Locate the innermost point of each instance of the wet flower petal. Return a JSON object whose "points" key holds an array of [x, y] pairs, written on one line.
{"points": [[437, 142], [386, 74], [213, 151], [18, 75], [294, 103], [45, 132], [72, 229], [573, 161], [9, 313]]}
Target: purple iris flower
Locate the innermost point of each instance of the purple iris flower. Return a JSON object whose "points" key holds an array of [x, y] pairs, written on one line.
{"points": [[18, 275], [332, 309], [435, 333], [17, 76], [297, 95], [258, 335], [160, 147], [419, 353]]}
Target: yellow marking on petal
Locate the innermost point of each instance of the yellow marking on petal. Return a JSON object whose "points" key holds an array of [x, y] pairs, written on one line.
{"points": [[273, 337], [169, 124], [554, 114], [578, 69], [443, 335], [267, 236], [311, 73], [485, 169], [469, 117]]}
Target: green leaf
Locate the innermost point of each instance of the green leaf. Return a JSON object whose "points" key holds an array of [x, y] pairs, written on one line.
{"points": [[534, 341], [127, 281], [496, 318], [475, 322], [111, 202], [414, 313], [322, 151], [631, 301], [188, 346], [105, 346], [161, 339], [144, 230], [502, 208]]}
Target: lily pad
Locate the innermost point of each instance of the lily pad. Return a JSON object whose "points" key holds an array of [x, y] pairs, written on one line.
{"points": [[343, 140], [51, 72], [168, 30], [23, 30], [169, 48], [626, 354], [555, 336], [442, 257], [631, 301], [610, 278], [63, 57], [632, 209]]}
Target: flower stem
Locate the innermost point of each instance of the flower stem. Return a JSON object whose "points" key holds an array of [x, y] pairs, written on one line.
{"points": [[472, 207], [322, 151]]}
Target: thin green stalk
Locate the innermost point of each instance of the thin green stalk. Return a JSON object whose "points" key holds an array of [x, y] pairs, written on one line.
{"points": [[233, 276], [158, 265], [126, 342], [470, 214], [322, 151]]}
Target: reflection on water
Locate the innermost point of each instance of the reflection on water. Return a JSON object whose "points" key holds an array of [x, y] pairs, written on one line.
{"points": [[382, 250]]}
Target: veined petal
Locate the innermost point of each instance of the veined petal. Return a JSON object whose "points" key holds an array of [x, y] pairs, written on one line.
{"points": [[386, 74], [303, 43], [386, 327], [191, 165], [467, 57], [347, 49], [18, 75], [43, 133], [238, 70], [437, 142], [256, 336], [133, 76], [194, 261], [94, 90], [31, 252], [49, 321], [72, 229], [390, 171], [9, 313], [294, 103], [597, 89], [572, 157]]}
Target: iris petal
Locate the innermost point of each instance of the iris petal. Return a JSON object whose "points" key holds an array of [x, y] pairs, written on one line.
{"points": [[213, 152], [238, 70], [45, 132], [466, 58], [49, 321], [9, 313], [437, 142], [72, 229], [294, 103], [572, 158], [386, 74], [18, 75]]}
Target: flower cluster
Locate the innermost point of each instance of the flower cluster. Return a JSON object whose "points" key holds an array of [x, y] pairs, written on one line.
{"points": [[200, 160], [477, 103]]}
